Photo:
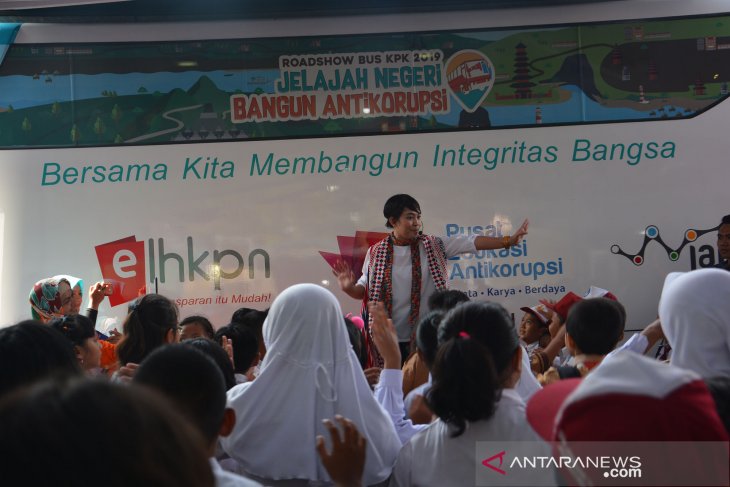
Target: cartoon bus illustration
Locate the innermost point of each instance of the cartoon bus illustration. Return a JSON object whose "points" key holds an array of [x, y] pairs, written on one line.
{"points": [[469, 74]]}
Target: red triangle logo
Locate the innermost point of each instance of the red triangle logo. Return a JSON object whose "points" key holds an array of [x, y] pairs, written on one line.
{"points": [[487, 462]]}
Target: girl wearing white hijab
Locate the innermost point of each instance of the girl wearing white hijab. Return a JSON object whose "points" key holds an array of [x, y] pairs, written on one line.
{"points": [[310, 373], [695, 315]]}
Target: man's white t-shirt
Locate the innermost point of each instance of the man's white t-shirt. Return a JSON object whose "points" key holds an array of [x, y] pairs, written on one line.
{"points": [[401, 276]]}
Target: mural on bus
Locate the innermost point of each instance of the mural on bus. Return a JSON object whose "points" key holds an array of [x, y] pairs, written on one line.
{"points": [[92, 94]]}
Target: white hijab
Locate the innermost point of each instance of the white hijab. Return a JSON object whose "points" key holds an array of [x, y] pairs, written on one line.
{"points": [[310, 373], [695, 314]]}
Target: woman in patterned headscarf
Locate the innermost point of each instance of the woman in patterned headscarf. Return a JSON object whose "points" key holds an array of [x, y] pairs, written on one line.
{"points": [[50, 298], [77, 292], [97, 293], [62, 295]]}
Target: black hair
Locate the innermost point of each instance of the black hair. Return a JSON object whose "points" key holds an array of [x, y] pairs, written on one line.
{"points": [[202, 321], [133, 304], [254, 320], [219, 356], [143, 441], [725, 220], [30, 351], [397, 204], [193, 383], [238, 315], [357, 342], [446, 299], [427, 337], [595, 325], [540, 321], [245, 345], [477, 343], [146, 327], [77, 328], [622, 311], [488, 323]]}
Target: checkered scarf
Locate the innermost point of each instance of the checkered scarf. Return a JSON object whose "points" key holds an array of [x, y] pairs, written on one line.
{"points": [[380, 285]]}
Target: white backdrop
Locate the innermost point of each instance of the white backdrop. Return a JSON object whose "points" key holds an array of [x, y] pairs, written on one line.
{"points": [[578, 210]]}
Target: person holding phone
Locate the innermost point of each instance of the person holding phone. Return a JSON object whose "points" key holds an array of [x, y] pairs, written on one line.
{"points": [[62, 295]]}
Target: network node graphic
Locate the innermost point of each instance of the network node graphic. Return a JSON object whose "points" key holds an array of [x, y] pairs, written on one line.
{"points": [[652, 234]]}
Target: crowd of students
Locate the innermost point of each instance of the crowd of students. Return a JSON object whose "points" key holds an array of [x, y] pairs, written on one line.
{"points": [[288, 396]]}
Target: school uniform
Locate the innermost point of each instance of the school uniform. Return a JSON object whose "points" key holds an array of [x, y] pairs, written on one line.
{"points": [[434, 458], [695, 314], [389, 395], [228, 479], [310, 373]]}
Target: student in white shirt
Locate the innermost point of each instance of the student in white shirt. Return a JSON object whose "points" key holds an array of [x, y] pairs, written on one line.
{"points": [[476, 368], [310, 373], [195, 386], [695, 315], [244, 348], [388, 392], [427, 345]]}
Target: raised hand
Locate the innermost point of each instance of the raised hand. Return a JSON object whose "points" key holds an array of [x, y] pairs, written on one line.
{"points": [[372, 375], [126, 372], [385, 336], [227, 345], [346, 462], [97, 292], [114, 336], [344, 274], [521, 232]]}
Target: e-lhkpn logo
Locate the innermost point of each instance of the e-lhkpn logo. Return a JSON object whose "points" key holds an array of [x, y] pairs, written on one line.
{"points": [[122, 264]]}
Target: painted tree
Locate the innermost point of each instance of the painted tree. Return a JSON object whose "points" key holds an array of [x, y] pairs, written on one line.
{"points": [[56, 108], [332, 126], [75, 134], [116, 113], [118, 139], [99, 127], [26, 125]]}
